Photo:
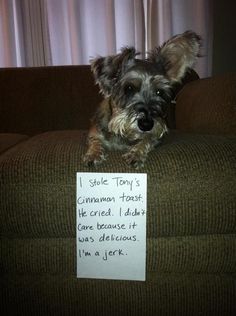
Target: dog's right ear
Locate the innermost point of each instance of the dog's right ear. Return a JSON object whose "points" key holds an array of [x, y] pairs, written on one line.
{"points": [[108, 70], [177, 55]]}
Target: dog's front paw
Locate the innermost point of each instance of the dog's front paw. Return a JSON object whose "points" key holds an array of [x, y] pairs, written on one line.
{"points": [[134, 159], [93, 159]]}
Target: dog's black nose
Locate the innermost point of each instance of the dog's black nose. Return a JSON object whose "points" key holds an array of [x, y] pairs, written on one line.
{"points": [[145, 125]]}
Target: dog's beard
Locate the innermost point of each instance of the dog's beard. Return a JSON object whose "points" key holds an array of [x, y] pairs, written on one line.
{"points": [[124, 123]]}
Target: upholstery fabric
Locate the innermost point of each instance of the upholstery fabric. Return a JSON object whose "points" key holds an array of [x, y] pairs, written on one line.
{"points": [[8, 140], [167, 294], [208, 106], [191, 229], [48, 98], [190, 185]]}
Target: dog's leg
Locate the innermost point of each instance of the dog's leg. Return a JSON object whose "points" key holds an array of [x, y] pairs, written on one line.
{"points": [[137, 155], [95, 153]]}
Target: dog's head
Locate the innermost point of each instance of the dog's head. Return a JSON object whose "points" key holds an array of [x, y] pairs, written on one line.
{"points": [[140, 90]]}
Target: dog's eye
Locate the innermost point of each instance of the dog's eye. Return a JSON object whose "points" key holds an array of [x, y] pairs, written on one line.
{"points": [[163, 95], [129, 89], [158, 92]]}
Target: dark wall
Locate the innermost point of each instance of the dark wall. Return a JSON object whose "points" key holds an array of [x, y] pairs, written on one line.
{"points": [[224, 36]]}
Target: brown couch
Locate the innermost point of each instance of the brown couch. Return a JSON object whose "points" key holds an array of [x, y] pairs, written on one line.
{"points": [[191, 220]]}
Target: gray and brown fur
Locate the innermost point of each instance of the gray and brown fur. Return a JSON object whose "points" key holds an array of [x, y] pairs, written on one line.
{"points": [[136, 93]]}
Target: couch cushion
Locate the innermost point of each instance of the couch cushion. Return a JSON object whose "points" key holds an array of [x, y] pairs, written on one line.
{"points": [[8, 140], [38, 99], [167, 295], [191, 185], [208, 106]]}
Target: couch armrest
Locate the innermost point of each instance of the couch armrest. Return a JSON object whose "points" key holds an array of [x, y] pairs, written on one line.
{"points": [[208, 106]]}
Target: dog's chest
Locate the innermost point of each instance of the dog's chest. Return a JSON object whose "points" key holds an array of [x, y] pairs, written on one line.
{"points": [[115, 142]]}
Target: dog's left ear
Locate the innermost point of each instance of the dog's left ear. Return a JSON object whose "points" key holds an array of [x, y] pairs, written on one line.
{"points": [[108, 70], [177, 55]]}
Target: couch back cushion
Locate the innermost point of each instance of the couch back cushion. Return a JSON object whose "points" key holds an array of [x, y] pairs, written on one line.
{"points": [[208, 106], [38, 99]]}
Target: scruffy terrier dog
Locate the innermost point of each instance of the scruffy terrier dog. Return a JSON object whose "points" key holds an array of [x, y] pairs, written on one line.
{"points": [[136, 96]]}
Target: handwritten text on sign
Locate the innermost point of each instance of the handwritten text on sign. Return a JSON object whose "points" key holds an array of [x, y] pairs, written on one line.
{"points": [[111, 225]]}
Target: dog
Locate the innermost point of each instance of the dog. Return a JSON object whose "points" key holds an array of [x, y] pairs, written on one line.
{"points": [[132, 116]]}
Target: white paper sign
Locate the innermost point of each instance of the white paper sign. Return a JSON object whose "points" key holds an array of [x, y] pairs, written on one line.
{"points": [[111, 225]]}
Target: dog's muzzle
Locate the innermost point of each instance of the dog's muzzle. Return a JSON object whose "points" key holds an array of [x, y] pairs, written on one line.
{"points": [[147, 115], [145, 122]]}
